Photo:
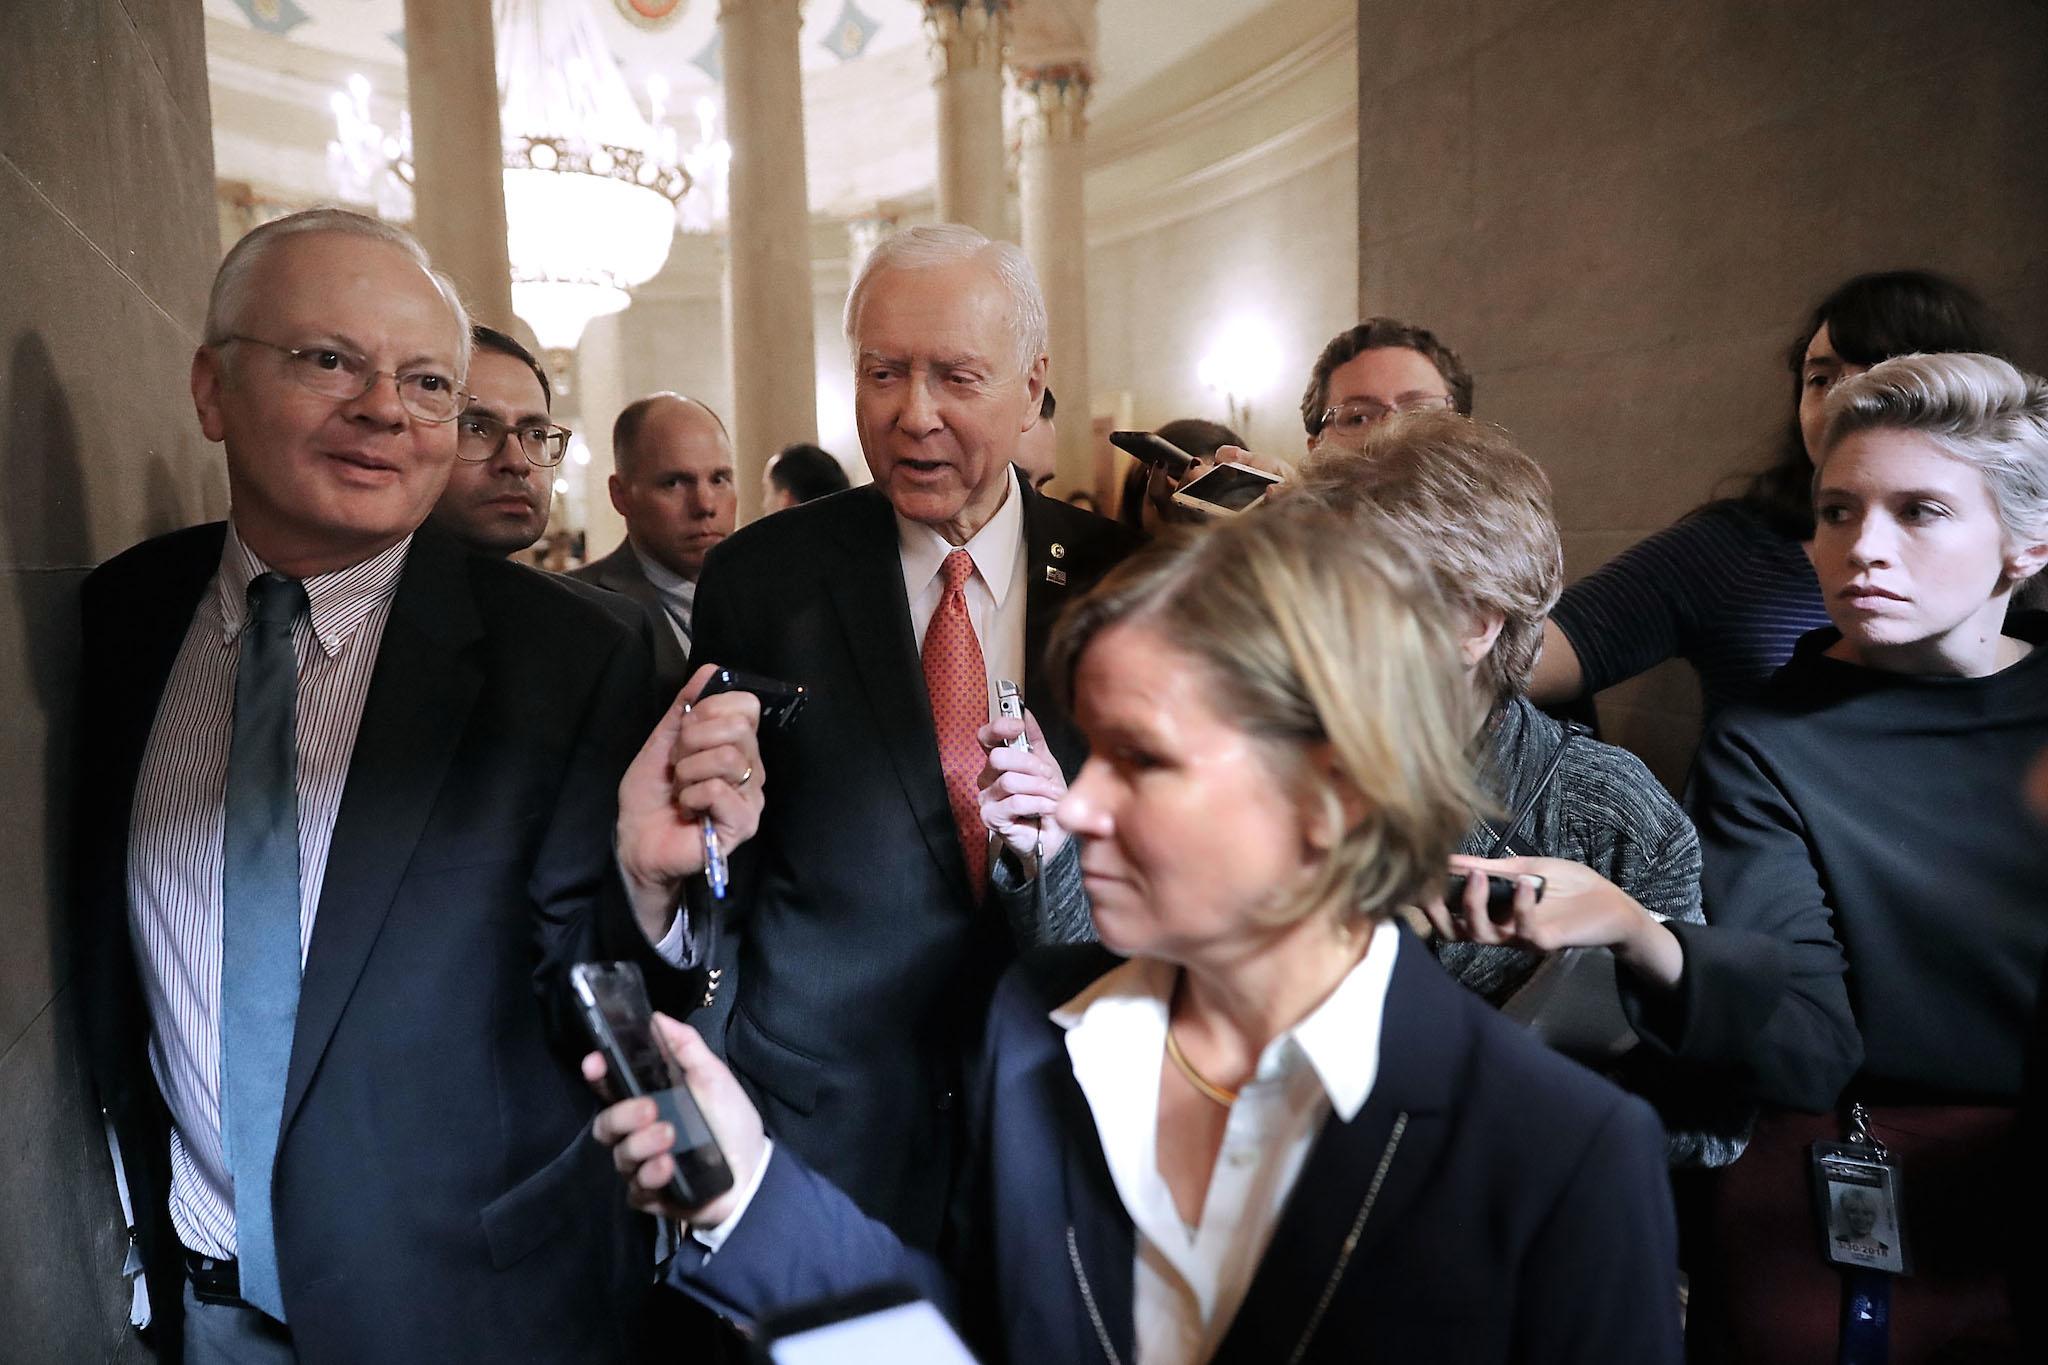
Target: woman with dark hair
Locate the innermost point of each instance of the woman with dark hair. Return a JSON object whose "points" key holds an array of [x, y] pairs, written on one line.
{"points": [[1729, 588]]}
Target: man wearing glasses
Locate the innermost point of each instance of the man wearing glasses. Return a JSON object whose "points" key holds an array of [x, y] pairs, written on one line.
{"points": [[506, 450], [1380, 367], [349, 804]]}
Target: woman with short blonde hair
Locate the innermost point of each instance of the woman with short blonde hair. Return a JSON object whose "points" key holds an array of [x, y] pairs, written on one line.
{"points": [[1875, 884]]}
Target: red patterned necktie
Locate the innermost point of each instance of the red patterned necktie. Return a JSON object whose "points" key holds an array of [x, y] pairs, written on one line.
{"points": [[957, 682]]}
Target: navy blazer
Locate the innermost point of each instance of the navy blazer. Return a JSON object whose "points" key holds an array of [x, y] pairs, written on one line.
{"points": [[1491, 1201], [437, 1193], [865, 960]]}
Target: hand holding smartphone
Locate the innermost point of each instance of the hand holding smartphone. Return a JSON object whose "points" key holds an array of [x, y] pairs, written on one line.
{"points": [[613, 999]]}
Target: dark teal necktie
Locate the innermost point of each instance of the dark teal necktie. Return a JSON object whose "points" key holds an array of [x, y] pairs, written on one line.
{"points": [[259, 959]]}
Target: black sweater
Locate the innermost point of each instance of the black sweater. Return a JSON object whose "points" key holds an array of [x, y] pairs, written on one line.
{"points": [[1876, 895]]}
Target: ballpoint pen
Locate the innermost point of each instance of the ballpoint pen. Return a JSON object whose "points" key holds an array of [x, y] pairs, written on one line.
{"points": [[714, 859]]}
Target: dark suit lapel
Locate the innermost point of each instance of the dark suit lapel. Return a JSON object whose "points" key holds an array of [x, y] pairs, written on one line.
{"points": [[1360, 1176], [152, 627], [421, 692], [622, 573], [1046, 594], [154, 632], [866, 582], [1104, 1243]]}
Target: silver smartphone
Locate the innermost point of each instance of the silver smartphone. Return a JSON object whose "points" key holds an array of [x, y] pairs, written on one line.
{"points": [[1226, 489], [1011, 704]]}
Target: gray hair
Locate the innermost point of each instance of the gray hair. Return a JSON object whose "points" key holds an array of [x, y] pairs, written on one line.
{"points": [[1979, 409], [942, 244], [231, 283]]}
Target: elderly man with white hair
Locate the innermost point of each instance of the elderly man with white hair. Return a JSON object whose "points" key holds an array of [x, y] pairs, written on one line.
{"points": [[862, 941]]}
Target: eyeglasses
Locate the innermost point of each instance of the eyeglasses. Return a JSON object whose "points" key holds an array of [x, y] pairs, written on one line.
{"points": [[1356, 414], [333, 373], [480, 436]]}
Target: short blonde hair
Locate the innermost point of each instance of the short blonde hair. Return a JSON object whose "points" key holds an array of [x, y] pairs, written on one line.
{"points": [[1311, 634], [1465, 499], [1976, 408]]}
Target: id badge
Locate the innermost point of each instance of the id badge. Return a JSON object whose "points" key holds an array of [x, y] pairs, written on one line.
{"points": [[1856, 1195]]}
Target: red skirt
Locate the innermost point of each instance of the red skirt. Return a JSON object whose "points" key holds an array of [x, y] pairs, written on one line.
{"points": [[1763, 1292]]}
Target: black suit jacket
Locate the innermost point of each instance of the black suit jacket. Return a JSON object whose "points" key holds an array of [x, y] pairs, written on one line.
{"points": [[864, 958], [621, 573], [437, 1194], [1499, 1202]]}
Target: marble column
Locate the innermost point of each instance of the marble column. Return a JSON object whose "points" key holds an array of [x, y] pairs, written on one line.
{"points": [[967, 49], [1050, 192], [768, 258], [451, 79]]}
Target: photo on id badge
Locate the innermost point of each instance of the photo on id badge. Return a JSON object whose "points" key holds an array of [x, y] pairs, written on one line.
{"points": [[1861, 1212]]}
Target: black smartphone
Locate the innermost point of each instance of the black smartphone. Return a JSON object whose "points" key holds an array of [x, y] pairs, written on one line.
{"points": [[613, 999], [780, 701], [1500, 896], [1150, 448], [1226, 489]]}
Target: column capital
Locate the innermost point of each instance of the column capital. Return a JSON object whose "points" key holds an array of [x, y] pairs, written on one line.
{"points": [[1058, 92], [966, 35]]}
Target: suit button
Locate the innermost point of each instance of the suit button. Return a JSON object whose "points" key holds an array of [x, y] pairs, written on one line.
{"points": [[944, 1101]]}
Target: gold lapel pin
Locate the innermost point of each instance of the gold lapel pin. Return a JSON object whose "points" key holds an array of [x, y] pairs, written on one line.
{"points": [[1059, 551], [1057, 576]]}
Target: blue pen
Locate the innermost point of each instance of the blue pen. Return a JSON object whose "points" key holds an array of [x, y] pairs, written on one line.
{"points": [[714, 860]]}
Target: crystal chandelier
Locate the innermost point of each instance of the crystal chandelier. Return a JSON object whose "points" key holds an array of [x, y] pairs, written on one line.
{"points": [[591, 183]]}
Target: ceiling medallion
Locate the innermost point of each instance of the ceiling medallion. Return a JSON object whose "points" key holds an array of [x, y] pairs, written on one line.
{"points": [[653, 14]]}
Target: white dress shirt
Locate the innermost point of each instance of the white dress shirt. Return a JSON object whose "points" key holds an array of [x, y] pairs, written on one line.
{"points": [[174, 838], [678, 595], [1190, 1281], [995, 594]]}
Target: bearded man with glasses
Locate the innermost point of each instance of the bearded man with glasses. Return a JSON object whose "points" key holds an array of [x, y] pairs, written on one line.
{"points": [[506, 450], [348, 806]]}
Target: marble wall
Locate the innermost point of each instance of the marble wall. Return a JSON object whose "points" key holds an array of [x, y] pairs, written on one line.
{"points": [[107, 197], [1622, 213]]}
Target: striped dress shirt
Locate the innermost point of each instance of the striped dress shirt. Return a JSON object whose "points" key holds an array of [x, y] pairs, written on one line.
{"points": [[174, 839]]}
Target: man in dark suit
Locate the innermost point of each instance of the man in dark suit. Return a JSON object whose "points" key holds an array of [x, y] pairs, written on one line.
{"points": [[674, 486], [865, 950], [348, 799]]}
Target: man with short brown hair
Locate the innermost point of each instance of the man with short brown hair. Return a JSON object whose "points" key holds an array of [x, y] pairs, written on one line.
{"points": [[1380, 367]]}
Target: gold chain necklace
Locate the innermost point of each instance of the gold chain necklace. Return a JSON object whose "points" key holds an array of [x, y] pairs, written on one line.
{"points": [[1209, 1088]]}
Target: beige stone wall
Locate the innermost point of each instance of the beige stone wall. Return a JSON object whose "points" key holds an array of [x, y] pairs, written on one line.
{"points": [[1620, 213], [1281, 258], [108, 223]]}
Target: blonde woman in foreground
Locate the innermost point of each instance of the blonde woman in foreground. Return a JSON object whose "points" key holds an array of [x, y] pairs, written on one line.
{"points": [[1258, 1122]]}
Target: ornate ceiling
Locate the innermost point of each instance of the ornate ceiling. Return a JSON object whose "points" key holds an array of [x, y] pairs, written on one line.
{"points": [[274, 65]]}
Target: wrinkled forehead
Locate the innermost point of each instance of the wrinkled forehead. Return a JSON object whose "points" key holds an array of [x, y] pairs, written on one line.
{"points": [[950, 312], [371, 294]]}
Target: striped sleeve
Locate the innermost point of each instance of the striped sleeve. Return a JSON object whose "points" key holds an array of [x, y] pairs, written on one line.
{"points": [[1650, 602]]}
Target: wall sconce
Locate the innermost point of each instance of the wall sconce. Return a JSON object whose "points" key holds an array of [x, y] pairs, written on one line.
{"points": [[1240, 366]]}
